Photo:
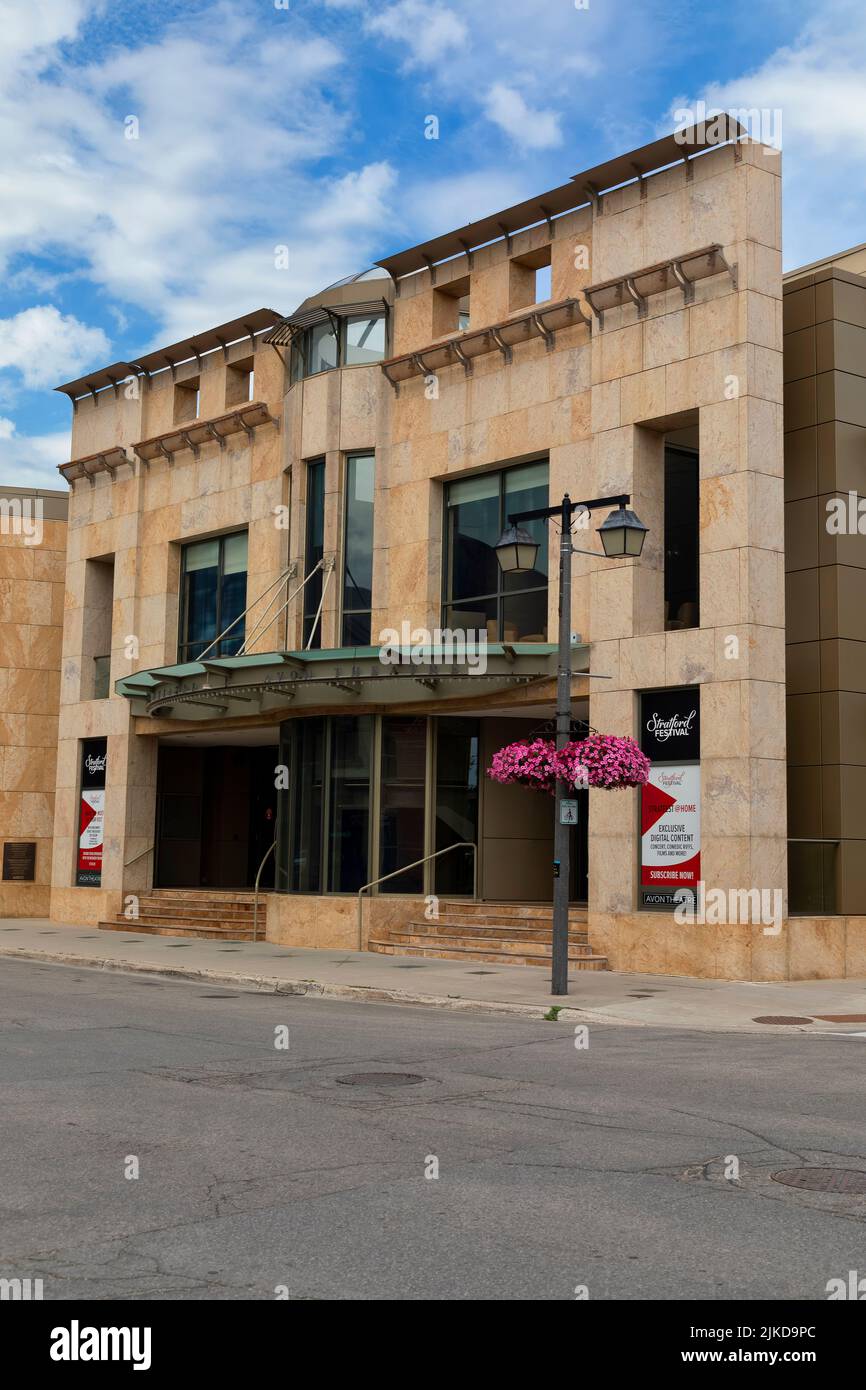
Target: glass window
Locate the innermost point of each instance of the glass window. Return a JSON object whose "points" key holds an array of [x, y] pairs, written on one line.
{"points": [[401, 823], [510, 608], [314, 551], [213, 595], [365, 340], [321, 349], [349, 341], [681, 538], [358, 551], [307, 787], [349, 792], [457, 745]]}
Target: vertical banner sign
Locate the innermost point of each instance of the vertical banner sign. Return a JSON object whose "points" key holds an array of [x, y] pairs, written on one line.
{"points": [[670, 846], [91, 821]]}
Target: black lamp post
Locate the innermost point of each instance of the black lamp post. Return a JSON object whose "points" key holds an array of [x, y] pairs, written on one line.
{"points": [[622, 535]]}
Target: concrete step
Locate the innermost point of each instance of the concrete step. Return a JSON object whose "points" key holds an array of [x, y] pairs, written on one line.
{"points": [[485, 957], [463, 907], [149, 907], [512, 923], [159, 919], [540, 936], [204, 933], [198, 896]]}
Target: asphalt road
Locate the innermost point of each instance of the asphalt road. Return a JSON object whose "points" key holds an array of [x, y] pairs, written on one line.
{"points": [[259, 1169]]}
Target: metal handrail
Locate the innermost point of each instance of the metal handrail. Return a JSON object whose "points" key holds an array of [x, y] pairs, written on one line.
{"points": [[461, 844], [256, 897]]}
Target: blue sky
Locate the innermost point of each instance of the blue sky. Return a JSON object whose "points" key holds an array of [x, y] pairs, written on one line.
{"points": [[301, 123]]}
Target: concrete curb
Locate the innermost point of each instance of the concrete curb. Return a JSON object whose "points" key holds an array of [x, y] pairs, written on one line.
{"points": [[358, 994]]}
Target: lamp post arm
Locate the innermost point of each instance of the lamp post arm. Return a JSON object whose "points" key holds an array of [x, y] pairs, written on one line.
{"points": [[544, 513]]}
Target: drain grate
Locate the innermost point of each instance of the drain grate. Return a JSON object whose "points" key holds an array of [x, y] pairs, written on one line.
{"points": [[380, 1078], [845, 1180], [781, 1018]]}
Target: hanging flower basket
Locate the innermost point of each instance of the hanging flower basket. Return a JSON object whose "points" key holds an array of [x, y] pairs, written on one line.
{"points": [[529, 764], [603, 760], [599, 760]]}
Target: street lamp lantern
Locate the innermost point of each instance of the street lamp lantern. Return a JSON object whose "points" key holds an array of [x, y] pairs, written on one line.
{"points": [[622, 533], [516, 551]]}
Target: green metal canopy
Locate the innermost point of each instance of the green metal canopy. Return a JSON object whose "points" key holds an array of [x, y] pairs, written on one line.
{"points": [[232, 686]]}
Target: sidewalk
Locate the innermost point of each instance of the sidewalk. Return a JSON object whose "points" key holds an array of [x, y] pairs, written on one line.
{"points": [[603, 996]]}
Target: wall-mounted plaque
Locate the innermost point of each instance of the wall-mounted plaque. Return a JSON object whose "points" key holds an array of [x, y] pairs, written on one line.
{"points": [[19, 861]]}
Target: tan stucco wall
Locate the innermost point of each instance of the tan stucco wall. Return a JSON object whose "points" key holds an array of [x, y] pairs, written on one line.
{"points": [[140, 518], [31, 620]]}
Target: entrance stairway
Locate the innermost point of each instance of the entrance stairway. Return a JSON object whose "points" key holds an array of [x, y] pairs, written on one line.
{"points": [[490, 934], [212, 914]]}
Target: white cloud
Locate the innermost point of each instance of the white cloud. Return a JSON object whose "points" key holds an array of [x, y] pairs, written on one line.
{"points": [[812, 88], [229, 112], [429, 30], [533, 130], [45, 346], [33, 29], [31, 460], [438, 205], [359, 199]]}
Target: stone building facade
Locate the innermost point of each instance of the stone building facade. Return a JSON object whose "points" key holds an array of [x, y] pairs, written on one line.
{"points": [[323, 478]]}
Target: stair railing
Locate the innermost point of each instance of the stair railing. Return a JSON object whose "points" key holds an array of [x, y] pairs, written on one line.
{"points": [[256, 897], [461, 844]]}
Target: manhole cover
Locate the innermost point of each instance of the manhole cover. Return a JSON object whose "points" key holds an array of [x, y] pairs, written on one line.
{"points": [[380, 1078], [640, 996], [847, 1180], [218, 996], [781, 1018], [842, 1018]]}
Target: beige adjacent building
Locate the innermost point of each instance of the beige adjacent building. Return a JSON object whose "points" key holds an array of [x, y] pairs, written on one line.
{"points": [[32, 572], [255, 511]]}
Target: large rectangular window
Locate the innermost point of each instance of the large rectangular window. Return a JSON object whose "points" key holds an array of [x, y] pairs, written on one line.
{"points": [[681, 538], [314, 551], [349, 793], [308, 782], [213, 596], [510, 608], [457, 769], [401, 820], [358, 551]]}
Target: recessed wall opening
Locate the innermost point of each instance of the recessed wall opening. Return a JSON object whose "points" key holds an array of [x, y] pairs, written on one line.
{"points": [[314, 549], [451, 307], [216, 815], [240, 382], [681, 531], [96, 634], [187, 400], [529, 279]]}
